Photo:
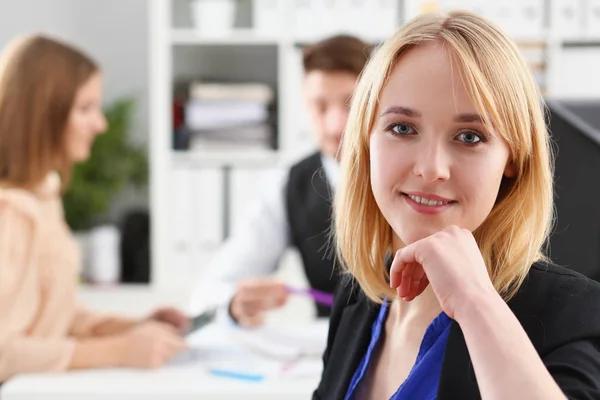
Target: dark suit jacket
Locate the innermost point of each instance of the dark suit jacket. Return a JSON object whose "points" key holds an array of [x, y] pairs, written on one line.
{"points": [[559, 309]]}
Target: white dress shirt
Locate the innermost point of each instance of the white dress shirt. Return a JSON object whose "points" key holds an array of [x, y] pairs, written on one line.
{"points": [[255, 247]]}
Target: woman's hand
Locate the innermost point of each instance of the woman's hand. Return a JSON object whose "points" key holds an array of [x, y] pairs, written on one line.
{"points": [[173, 317], [150, 344], [450, 261]]}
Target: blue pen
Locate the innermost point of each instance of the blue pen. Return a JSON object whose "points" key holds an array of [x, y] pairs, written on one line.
{"points": [[244, 376]]}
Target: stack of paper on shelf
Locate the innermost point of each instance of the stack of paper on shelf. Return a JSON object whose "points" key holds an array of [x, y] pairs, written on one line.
{"points": [[229, 116]]}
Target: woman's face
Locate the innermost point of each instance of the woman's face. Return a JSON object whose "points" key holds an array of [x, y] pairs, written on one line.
{"points": [[86, 120], [433, 162]]}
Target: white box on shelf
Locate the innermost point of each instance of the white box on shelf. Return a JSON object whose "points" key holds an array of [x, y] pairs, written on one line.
{"points": [[305, 21], [567, 18], [412, 8], [367, 19], [520, 19], [529, 19], [383, 17], [592, 24], [329, 17], [351, 16], [268, 16], [213, 17]]}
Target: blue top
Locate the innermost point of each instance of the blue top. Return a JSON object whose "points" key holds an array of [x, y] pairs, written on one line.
{"points": [[422, 381]]}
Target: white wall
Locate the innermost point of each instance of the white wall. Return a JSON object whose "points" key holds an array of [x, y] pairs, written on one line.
{"points": [[114, 32]]}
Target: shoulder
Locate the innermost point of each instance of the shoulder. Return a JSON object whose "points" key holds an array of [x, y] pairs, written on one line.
{"points": [[556, 306], [20, 203], [349, 299], [308, 164], [550, 281]]}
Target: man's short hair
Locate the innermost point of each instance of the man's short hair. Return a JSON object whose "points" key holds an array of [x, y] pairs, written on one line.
{"points": [[341, 53]]}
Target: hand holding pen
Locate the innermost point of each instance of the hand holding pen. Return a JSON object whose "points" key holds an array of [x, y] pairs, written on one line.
{"points": [[253, 298]]}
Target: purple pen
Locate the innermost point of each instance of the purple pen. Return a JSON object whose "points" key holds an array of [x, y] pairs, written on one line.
{"points": [[317, 295]]}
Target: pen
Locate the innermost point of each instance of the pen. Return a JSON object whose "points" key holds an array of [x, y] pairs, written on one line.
{"points": [[244, 376], [317, 295]]}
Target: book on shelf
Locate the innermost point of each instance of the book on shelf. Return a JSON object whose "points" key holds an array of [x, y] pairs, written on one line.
{"points": [[223, 91]]}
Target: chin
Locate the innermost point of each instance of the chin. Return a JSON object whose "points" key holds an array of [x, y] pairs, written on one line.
{"points": [[81, 157], [408, 235]]}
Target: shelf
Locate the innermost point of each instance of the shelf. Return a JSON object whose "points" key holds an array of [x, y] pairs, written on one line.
{"points": [[190, 36], [581, 42], [304, 40], [198, 159]]}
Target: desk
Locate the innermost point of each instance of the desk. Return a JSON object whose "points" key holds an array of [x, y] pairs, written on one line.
{"points": [[178, 381]]}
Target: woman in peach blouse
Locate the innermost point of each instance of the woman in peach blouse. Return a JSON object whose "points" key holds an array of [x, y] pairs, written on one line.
{"points": [[50, 113]]}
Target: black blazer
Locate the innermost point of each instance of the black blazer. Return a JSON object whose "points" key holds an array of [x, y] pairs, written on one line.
{"points": [[559, 309]]}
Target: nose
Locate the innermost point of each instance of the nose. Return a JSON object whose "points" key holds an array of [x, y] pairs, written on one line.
{"points": [[432, 161], [335, 121], [101, 123]]}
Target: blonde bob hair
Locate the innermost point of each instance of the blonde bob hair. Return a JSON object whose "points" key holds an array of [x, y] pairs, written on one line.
{"points": [[503, 89]]}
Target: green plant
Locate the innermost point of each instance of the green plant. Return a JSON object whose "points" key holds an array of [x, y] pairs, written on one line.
{"points": [[113, 163]]}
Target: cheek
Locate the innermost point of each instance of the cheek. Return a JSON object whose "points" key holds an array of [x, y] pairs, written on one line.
{"points": [[481, 187], [386, 167], [78, 142]]}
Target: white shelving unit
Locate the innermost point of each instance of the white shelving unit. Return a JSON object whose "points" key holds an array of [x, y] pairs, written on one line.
{"points": [[192, 193], [224, 181]]}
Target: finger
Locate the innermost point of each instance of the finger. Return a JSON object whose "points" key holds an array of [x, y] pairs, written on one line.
{"points": [[264, 300], [275, 291], [407, 274], [174, 341], [253, 294], [253, 321], [271, 302], [282, 299], [166, 327], [412, 253], [185, 325], [423, 285], [261, 284], [396, 270], [252, 308], [179, 320], [415, 283]]}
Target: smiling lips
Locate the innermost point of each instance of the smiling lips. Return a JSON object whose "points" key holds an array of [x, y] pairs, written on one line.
{"points": [[427, 203]]}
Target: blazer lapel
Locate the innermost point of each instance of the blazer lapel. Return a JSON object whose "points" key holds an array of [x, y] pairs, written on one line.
{"points": [[457, 377], [355, 328]]}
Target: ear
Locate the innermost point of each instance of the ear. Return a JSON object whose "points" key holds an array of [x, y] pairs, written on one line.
{"points": [[510, 171]]}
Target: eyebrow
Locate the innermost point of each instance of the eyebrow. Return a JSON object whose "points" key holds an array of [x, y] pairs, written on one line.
{"points": [[409, 112], [401, 111], [469, 118]]}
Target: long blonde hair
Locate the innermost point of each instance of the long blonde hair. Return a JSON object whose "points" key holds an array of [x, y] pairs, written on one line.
{"points": [[504, 91]]}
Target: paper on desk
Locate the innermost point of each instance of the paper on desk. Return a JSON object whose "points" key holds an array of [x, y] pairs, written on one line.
{"points": [[291, 351], [285, 343], [214, 349]]}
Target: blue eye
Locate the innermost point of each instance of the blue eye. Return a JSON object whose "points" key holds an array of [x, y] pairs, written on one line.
{"points": [[402, 129], [469, 137]]}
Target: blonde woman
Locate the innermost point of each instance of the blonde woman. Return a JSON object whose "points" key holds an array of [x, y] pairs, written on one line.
{"points": [[50, 113], [446, 166]]}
